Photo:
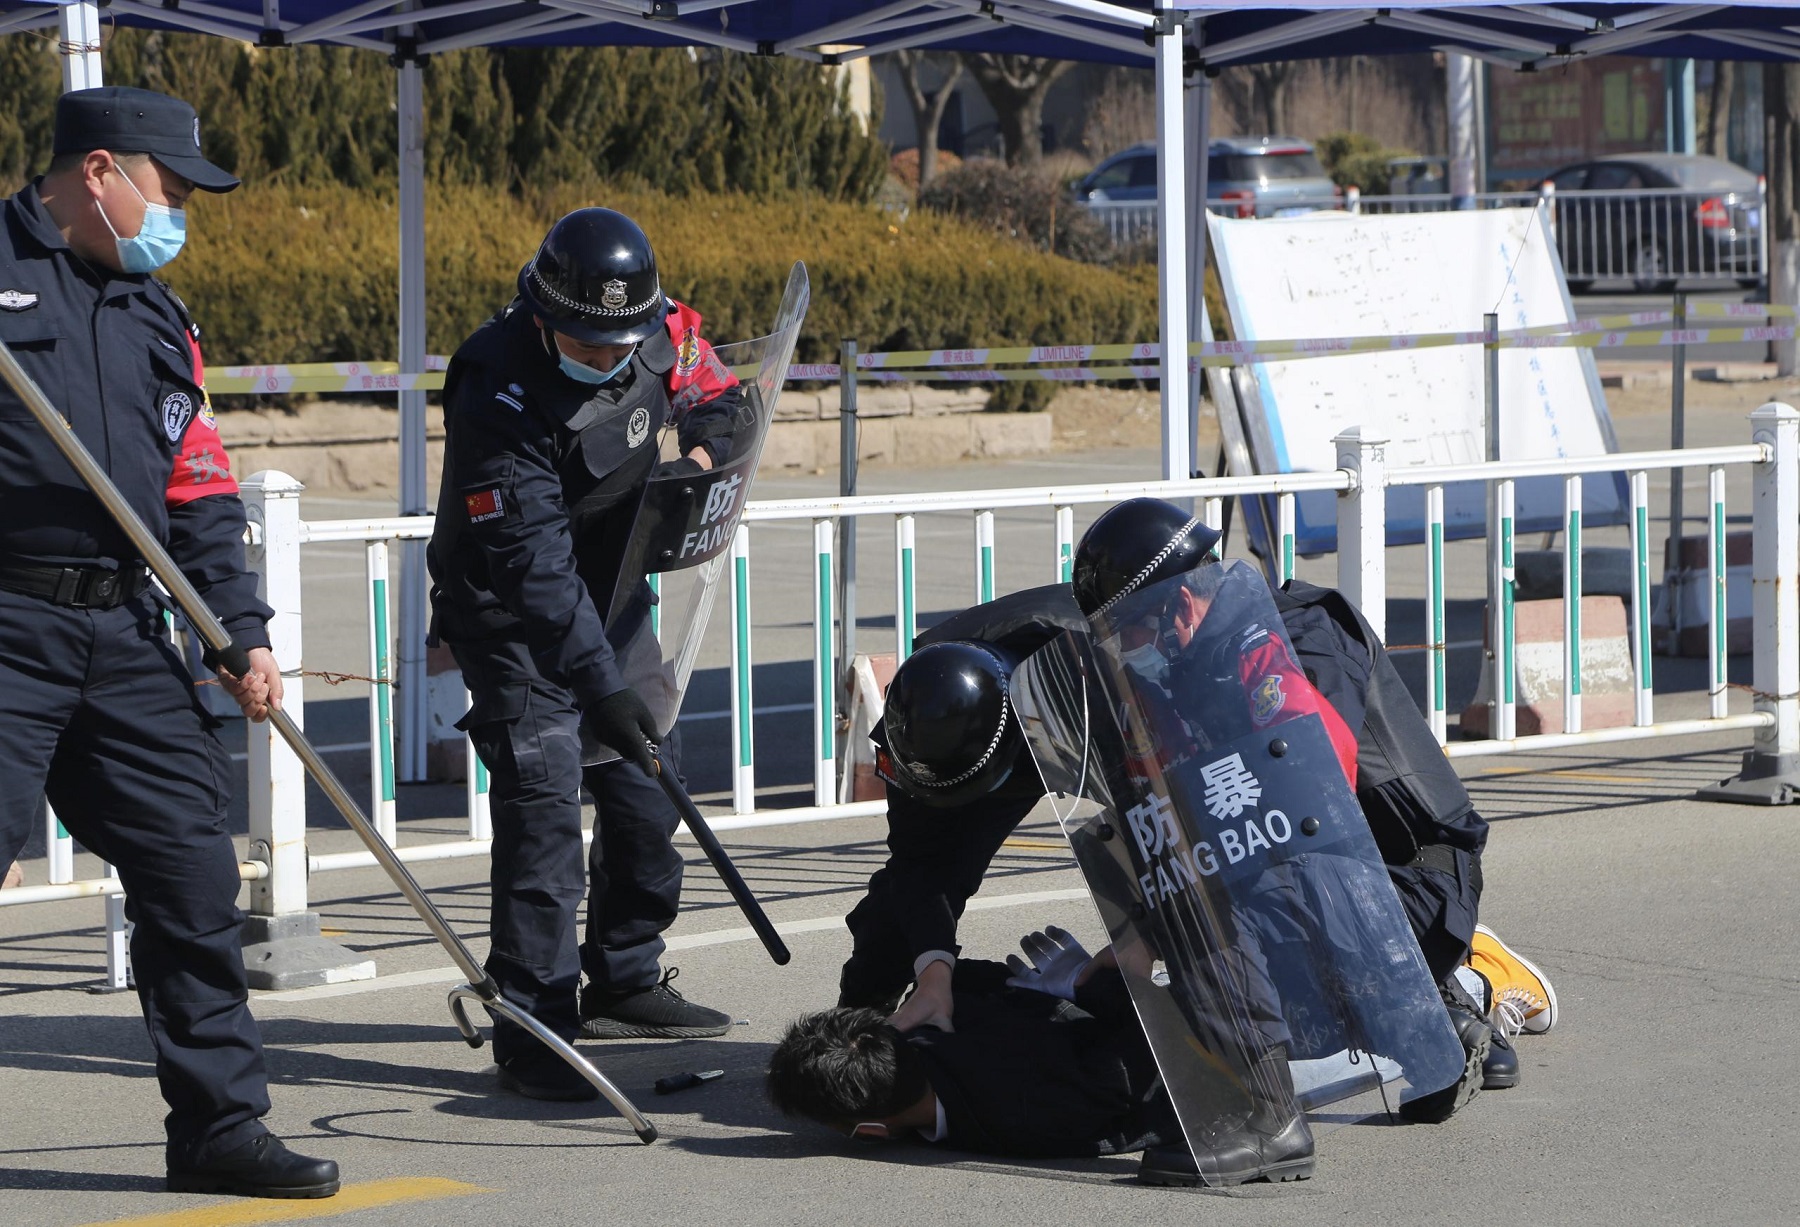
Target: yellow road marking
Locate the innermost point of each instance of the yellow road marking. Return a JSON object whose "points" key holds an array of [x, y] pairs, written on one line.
{"points": [[350, 1198], [1051, 844], [1570, 775]]}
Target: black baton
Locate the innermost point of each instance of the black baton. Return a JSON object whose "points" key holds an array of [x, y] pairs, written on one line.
{"points": [[721, 863]]}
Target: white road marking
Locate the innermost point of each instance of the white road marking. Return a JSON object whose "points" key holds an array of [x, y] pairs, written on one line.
{"points": [[685, 941]]}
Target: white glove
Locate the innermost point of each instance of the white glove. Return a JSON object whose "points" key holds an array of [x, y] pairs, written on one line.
{"points": [[1057, 959]]}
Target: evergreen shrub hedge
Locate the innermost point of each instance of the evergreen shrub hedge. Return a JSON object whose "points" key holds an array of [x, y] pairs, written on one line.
{"points": [[307, 274]]}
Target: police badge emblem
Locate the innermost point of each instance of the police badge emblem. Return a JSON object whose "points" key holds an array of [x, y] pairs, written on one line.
{"points": [[612, 295], [638, 428], [16, 300], [177, 412], [687, 354], [1267, 699]]}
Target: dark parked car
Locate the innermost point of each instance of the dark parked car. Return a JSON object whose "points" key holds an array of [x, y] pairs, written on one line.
{"points": [[1246, 176], [1654, 218]]}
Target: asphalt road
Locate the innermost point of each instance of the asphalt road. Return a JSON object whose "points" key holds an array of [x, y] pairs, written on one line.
{"points": [[1663, 1096]]}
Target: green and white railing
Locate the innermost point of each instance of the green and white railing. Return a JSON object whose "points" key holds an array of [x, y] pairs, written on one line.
{"points": [[279, 862]]}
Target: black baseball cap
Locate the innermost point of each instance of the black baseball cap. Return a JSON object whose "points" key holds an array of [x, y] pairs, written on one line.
{"points": [[126, 120]]}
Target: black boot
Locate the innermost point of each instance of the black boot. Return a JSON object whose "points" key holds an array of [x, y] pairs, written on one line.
{"points": [[1274, 1144], [1501, 1069], [1237, 1159], [538, 1073], [1477, 1040], [261, 1167]]}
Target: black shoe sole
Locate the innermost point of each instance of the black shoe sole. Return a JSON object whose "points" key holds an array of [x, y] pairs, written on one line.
{"points": [[237, 1187], [579, 1091], [1499, 1082], [612, 1029], [1277, 1173], [1440, 1106]]}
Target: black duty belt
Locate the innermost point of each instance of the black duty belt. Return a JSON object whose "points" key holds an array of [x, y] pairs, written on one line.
{"points": [[1441, 857], [76, 587]]}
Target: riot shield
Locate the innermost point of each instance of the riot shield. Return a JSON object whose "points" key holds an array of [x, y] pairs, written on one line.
{"points": [[1269, 959], [680, 540]]}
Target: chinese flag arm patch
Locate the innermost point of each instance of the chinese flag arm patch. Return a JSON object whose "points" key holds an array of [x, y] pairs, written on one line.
{"points": [[485, 504]]}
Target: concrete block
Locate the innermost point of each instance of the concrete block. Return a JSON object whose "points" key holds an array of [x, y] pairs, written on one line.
{"points": [[282, 952], [998, 435], [1687, 595], [1606, 676], [1737, 372], [446, 761], [1605, 571], [933, 440], [865, 687]]}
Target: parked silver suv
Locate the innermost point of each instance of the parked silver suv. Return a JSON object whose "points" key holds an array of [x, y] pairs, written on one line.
{"points": [[1246, 176]]}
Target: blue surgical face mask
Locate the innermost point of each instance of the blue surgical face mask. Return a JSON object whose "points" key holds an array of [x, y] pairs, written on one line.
{"points": [[157, 241], [582, 373]]}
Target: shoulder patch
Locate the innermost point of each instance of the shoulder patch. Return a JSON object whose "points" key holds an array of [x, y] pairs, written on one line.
{"points": [[177, 412], [1267, 699], [687, 354]]}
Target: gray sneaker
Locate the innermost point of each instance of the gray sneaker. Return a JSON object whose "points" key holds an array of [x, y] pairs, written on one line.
{"points": [[654, 1012]]}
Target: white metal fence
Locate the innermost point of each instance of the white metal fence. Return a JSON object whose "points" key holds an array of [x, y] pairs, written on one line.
{"points": [[279, 861], [1652, 237]]}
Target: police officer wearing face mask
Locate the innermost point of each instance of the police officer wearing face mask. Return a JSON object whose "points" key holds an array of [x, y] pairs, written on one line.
{"points": [[96, 709], [553, 412]]}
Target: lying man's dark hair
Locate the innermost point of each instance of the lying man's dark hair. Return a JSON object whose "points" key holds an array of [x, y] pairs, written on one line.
{"points": [[844, 1066]]}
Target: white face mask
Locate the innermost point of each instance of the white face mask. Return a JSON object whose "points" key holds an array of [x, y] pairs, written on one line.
{"points": [[1147, 661]]}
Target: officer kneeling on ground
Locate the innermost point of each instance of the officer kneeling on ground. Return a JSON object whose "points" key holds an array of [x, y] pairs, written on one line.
{"points": [[553, 414], [96, 707], [954, 794]]}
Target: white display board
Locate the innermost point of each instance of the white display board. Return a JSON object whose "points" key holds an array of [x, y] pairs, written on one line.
{"points": [[1337, 275]]}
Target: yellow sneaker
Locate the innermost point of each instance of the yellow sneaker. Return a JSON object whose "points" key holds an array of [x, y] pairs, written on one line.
{"points": [[1522, 996]]}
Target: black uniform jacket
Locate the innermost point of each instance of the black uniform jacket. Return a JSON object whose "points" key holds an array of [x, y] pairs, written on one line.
{"points": [[936, 855], [1407, 788], [1029, 1074], [542, 478], [119, 358]]}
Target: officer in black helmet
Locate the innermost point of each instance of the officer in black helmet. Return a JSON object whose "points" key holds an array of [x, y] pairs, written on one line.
{"points": [[553, 413], [942, 837]]}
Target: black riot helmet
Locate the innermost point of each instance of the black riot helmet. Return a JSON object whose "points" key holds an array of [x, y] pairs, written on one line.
{"points": [[594, 279], [1133, 544], [951, 732]]}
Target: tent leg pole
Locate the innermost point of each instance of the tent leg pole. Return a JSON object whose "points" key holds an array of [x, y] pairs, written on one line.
{"points": [[413, 494], [1172, 246]]}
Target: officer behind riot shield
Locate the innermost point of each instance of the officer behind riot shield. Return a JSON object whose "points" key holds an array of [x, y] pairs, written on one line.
{"points": [[554, 412], [942, 839]]}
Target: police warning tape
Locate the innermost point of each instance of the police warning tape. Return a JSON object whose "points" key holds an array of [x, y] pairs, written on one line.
{"points": [[1095, 363]]}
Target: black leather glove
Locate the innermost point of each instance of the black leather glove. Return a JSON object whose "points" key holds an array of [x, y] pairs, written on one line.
{"points": [[686, 466], [622, 723]]}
